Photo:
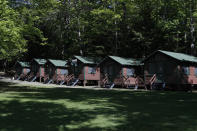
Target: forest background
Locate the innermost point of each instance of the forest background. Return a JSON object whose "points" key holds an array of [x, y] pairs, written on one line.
{"points": [[59, 29]]}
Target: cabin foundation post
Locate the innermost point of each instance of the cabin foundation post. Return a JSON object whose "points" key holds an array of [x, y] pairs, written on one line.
{"points": [[151, 86], [99, 83], [145, 87], [127, 86], [84, 82]]}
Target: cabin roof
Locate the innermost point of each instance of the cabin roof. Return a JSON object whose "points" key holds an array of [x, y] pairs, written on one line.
{"points": [[40, 61], [24, 64], [178, 56], [58, 63], [88, 60], [126, 61]]}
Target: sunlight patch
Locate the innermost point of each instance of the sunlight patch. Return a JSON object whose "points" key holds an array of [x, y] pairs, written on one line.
{"points": [[5, 114], [136, 113], [100, 121], [168, 124], [180, 100]]}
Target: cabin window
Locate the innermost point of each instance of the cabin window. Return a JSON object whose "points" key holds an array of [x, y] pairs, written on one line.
{"points": [[130, 72], [74, 62], [195, 72], [64, 72], [186, 70], [91, 70], [27, 70]]}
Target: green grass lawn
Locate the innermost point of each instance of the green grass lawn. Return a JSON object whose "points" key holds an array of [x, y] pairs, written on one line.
{"points": [[55, 109]]}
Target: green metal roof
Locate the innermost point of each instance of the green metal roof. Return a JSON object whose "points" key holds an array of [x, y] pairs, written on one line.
{"points": [[88, 60], [24, 64], [180, 56], [126, 61], [40, 61], [59, 63]]}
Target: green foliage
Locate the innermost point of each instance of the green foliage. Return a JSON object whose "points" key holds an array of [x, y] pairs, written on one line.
{"points": [[12, 42], [131, 28]]}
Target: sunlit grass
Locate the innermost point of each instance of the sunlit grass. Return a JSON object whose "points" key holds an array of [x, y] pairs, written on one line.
{"points": [[25, 108]]}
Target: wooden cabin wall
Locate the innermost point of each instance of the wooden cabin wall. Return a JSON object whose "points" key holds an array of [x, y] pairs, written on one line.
{"points": [[78, 70], [119, 76], [158, 63], [161, 65], [112, 69], [192, 78], [42, 71], [38, 69], [131, 79], [91, 76], [59, 74], [118, 80], [179, 77], [50, 69], [34, 67], [169, 70], [81, 72], [26, 70]]}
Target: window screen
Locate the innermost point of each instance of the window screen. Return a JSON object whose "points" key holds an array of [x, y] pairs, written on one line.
{"points": [[195, 71], [186, 70], [27, 70], [64, 72], [91, 70], [130, 71]]}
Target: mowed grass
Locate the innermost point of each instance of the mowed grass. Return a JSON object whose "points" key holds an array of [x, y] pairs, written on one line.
{"points": [[56, 109]]}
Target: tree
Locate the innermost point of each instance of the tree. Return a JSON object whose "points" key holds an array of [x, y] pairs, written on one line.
{"points": [[12, 43], [130, 28]]}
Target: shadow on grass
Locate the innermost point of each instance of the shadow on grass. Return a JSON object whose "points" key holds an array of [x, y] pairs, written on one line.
{"points": [[57, 109]]}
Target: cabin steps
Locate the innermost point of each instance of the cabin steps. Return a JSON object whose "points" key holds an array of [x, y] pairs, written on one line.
{"points": [[46, 81], [50, 81], [109, 85], [136, 87], [75, 82], [18, 78], [112, 86], [69, 79], [31, 75], [26, 78], [33, 79], [62, 82]]}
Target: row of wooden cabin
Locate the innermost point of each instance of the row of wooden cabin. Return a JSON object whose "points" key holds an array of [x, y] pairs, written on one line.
{"points": [[59, 71], [162, 68]]}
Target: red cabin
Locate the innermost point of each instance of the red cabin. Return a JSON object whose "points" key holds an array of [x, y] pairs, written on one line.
{"points": [[56, 71], [22, 70], [170, 69], [86, 69], [119, 71], [37, 69]]}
